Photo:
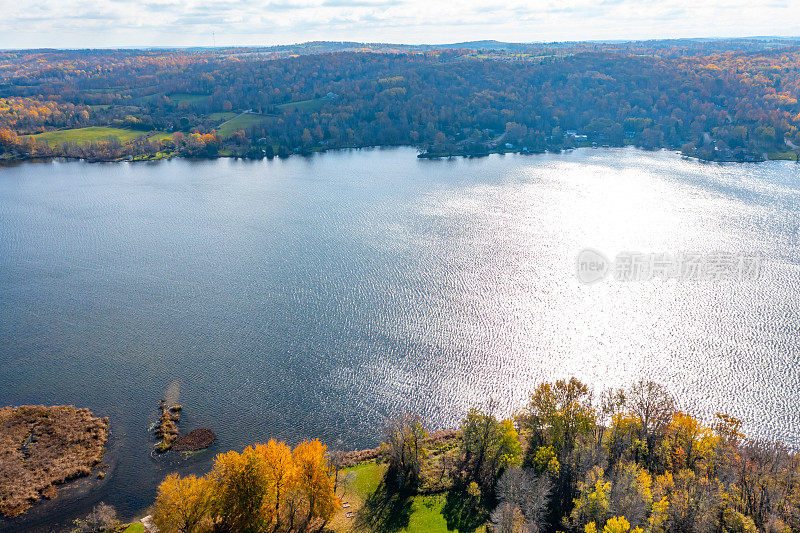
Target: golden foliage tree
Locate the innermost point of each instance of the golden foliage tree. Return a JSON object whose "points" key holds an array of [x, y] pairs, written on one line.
{"points": [[264, 488], [313, 481], [182, 504], [281, 473], [241, 486]]}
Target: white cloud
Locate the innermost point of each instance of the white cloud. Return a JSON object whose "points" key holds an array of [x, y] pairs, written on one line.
{"points": [[109, 23]]}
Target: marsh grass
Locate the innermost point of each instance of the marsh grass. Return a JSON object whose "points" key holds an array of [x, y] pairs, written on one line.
{"points": [[41, 447]]}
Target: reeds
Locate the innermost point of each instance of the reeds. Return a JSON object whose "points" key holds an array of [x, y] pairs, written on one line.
{"points": [[41, 447]]}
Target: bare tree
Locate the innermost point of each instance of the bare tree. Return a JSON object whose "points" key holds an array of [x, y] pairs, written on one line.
{"points": [[506, 518], [102, 518], [629, 496], [612, 402], [336, 462], [654, 406], [768, 473], [403, 444], [523, 490]]}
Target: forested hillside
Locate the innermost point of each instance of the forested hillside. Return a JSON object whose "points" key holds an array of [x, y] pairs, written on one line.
{"points": [[718, 100]]}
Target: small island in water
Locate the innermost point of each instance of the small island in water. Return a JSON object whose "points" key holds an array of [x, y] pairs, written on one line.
{"points": [[624, 461], [620, 461]]}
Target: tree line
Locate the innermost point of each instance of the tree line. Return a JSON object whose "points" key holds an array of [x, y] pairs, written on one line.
{"points": [[626, 461], [716, 100], [267, 487]]}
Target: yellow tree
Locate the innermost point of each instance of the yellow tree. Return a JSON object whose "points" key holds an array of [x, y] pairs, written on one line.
{"points": [[622, 438], [313, 481], [691, 443], [619, 524], [558, 413], [182, 504], [281, 473], [241, 491], [592, 504]]}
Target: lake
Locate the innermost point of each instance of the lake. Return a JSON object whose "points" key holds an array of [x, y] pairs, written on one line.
{"points": [[313, 297]]}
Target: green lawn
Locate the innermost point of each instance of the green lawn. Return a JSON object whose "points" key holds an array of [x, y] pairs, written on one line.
{"points": [[222, 115], [303, 105], [103, 90], [93, 134], [136, 527], [147, 98], [788, 155], [243, 121], [363, 490], [185, 98], [426, 515], [87, 135], [365, 478], [160, 136]]}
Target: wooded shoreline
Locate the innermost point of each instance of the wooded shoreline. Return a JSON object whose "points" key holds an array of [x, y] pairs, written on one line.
{"points": [[718, 100], [624, 462]]}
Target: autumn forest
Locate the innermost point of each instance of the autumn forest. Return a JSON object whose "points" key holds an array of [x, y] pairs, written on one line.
{"points": [[734, 100], [626, 461]]}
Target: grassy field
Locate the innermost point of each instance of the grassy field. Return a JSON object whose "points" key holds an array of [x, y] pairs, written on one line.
{"points": [[426, 514], [87, 135], [160, 136], [183, 98], [136, 527], [243, 121], [373, 509], [94, 134], [788, 155], [222, 115], [365, 478], [303, 105], [147, 98], [103, 90]]}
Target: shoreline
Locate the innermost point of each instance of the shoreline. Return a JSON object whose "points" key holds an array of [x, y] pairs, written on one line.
{"points": [[11, 162]]}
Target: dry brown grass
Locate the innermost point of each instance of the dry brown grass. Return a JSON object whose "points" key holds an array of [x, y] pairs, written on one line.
{"points": [[195, 440], [437, 438], [167, 429], [41, 447]]}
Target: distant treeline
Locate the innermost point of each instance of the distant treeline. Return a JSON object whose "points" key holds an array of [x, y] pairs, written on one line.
{"points": [[716, 100], [625, 461]]}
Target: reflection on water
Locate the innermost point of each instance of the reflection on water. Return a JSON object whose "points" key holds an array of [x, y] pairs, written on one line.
{"points": [[312, 297]]}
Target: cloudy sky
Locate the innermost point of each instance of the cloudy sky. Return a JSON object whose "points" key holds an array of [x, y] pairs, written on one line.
{"points": [[112, 23]]}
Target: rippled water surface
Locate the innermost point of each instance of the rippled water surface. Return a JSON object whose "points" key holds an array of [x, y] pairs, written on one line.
{"points": [[312, 297]]}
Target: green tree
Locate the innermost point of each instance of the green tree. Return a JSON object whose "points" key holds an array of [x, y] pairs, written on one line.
{"points": [[488, 447], [557, 414]]}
